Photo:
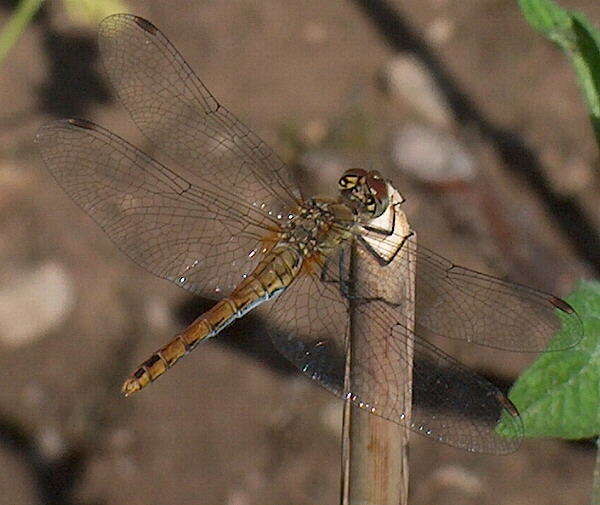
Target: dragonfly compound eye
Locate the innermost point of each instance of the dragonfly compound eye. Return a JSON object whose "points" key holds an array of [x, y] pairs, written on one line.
{"points": [[348, 181]]}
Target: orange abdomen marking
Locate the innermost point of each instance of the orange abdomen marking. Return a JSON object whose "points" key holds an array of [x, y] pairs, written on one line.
{"points": [[271, 276]]}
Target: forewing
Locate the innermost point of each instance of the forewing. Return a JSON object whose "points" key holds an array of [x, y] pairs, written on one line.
{"points": [[166, 224], [174, 109], [456, 302], [459, 303]]}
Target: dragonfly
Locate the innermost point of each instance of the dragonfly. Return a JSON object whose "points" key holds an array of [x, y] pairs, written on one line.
{"points": [[226, 220]]}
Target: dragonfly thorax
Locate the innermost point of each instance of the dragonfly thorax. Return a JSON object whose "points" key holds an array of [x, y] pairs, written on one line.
{"points": [[318, 226]]}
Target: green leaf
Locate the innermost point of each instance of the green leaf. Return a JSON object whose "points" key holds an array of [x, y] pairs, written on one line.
{"points": [[546, 17], [579, 39], [15, 26], [559, 395], [91, 12]]}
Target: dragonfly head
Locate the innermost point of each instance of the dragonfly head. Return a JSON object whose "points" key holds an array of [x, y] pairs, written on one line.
{"points": [[365, 191]]}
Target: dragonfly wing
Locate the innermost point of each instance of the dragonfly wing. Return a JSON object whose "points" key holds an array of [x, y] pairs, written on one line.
{"points": [[459, 303], [174, 109], [308, 323], [450, 403], [456, 302], [165, 223]]}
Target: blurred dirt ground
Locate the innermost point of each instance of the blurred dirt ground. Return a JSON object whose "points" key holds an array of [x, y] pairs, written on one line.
{"points": [[226, 427]]}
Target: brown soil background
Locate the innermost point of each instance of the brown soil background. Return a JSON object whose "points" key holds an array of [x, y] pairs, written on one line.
{"points": [[226, 427]]}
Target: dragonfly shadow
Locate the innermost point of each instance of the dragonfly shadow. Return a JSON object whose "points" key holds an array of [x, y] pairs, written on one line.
{"points": [[55, 479], [453, 378], [249, 337], [73, 85]]}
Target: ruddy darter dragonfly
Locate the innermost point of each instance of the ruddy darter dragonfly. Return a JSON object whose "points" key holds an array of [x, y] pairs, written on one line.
{"points": [[229, 223]]}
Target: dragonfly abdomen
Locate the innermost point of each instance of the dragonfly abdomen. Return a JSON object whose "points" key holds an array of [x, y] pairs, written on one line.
{"points": [[272, 275]]}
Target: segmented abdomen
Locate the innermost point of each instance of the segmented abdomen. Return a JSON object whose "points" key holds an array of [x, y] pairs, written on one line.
{"points": [[272, 275]]}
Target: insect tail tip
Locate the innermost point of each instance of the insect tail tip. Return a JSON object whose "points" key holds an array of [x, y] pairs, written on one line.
{"points": [[130, 386]]}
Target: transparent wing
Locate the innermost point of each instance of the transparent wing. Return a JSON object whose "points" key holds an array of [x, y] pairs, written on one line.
{"points": [[456, 302], [173, 228], [201, 230], [310, 326], [173, 108]]}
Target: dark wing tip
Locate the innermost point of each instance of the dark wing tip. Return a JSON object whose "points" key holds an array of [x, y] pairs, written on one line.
{"points": [[561, 305], [144, 24], [82, 123], [516, 431], [508, 406]]}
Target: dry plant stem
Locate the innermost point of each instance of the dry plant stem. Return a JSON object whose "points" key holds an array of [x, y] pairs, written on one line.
{"points": [[375, 451], [596, 483], [377, 468]]}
